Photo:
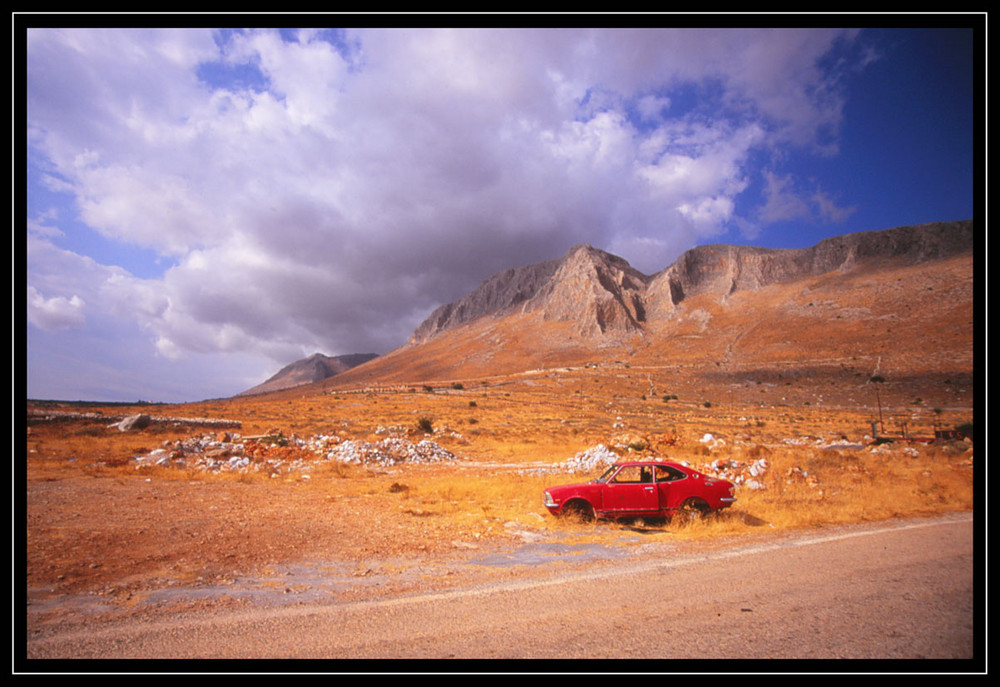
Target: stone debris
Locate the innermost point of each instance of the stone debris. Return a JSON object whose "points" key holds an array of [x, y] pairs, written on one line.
{"points": [[390, 451], [392, 430], [134, 422], [743, 474], [712, 442], [126, 423], [276, 454], [591, 459]]}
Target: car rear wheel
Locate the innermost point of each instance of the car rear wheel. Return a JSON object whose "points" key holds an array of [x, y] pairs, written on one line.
{"points": [[692, 510]]}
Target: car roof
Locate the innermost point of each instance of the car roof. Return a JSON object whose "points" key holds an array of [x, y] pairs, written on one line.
{"points": [[648, 463]]}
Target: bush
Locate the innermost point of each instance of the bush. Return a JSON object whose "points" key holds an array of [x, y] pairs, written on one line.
{"points": [[425, 425]]}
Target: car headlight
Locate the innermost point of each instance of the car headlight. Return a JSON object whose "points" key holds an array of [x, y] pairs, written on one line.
{"points": [[549, 501]]}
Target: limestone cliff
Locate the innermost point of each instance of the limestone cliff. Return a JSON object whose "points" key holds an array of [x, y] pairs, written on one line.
{"points": [[602, 294], [597, 291], [500, 294]]}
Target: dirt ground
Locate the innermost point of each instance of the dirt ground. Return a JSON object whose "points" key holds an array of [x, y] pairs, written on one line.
{"points": [[108, 534]]}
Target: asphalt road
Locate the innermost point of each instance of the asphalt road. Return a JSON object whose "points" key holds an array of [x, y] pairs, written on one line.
{"points": [[896, 590]]}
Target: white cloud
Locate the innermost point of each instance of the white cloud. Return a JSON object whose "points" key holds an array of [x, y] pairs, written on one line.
{"points": [[783, 202], [361, 182], [58, 312], [787, 199]]}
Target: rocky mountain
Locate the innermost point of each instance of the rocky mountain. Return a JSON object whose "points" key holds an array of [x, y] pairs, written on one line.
{"points": [[499, 294], [315, 368], [803, 326], [602, 294]]}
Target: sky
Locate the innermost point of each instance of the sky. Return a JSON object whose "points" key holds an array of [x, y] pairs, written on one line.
{"points": [[203, 206]]}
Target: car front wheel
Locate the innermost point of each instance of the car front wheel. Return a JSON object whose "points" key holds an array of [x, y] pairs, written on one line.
{"points": [[579, 510]]}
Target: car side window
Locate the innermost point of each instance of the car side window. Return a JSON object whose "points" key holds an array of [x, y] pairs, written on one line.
{"points": [[665, 473], [633, 474]]}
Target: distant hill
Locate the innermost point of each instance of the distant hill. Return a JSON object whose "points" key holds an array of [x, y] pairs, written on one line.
{"points": [[315, 368]]}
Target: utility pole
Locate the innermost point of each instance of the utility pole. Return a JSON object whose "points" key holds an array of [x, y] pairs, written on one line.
{"points": [[876, 380]]}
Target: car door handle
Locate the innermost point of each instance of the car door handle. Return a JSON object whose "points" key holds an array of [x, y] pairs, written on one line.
{"points": [[649, 488]]}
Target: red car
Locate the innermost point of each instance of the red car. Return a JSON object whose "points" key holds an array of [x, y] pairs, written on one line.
{"points": [[642, 489]]}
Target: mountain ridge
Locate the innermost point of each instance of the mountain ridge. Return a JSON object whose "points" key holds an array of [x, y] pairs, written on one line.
{"points": [[603, 294]]}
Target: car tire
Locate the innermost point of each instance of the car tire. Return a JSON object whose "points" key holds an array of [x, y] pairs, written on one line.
{"points": [[692, 510], [579, 510]]}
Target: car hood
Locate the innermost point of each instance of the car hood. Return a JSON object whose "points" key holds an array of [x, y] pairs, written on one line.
{"points": [[576, 486]]}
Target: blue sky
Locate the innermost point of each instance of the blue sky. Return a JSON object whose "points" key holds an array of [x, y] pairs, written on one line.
{"points": [[205, 206]]}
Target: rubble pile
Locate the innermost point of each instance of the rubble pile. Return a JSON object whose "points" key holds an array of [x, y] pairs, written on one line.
{"points": [[399, 430], [390, 451], [591, 459], [228, 453], [276, 454], [743, 474]]}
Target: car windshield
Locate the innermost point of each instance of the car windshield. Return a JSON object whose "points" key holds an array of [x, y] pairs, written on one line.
{"points": [[607, 474]]}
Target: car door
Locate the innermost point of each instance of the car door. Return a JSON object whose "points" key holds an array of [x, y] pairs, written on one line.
{"points": [[631, 490], [672, 485]]}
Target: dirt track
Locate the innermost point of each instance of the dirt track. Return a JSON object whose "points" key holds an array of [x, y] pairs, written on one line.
{"points": [[892, 590]]}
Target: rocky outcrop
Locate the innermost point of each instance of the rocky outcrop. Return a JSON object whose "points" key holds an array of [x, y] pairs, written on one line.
{"points": [[598, 291], [602, 294], [502, 293], [724, 269], [315, 368]]}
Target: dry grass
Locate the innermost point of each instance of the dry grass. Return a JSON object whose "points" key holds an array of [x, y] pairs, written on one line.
{"points": [[853, 486], [510, 434]]}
